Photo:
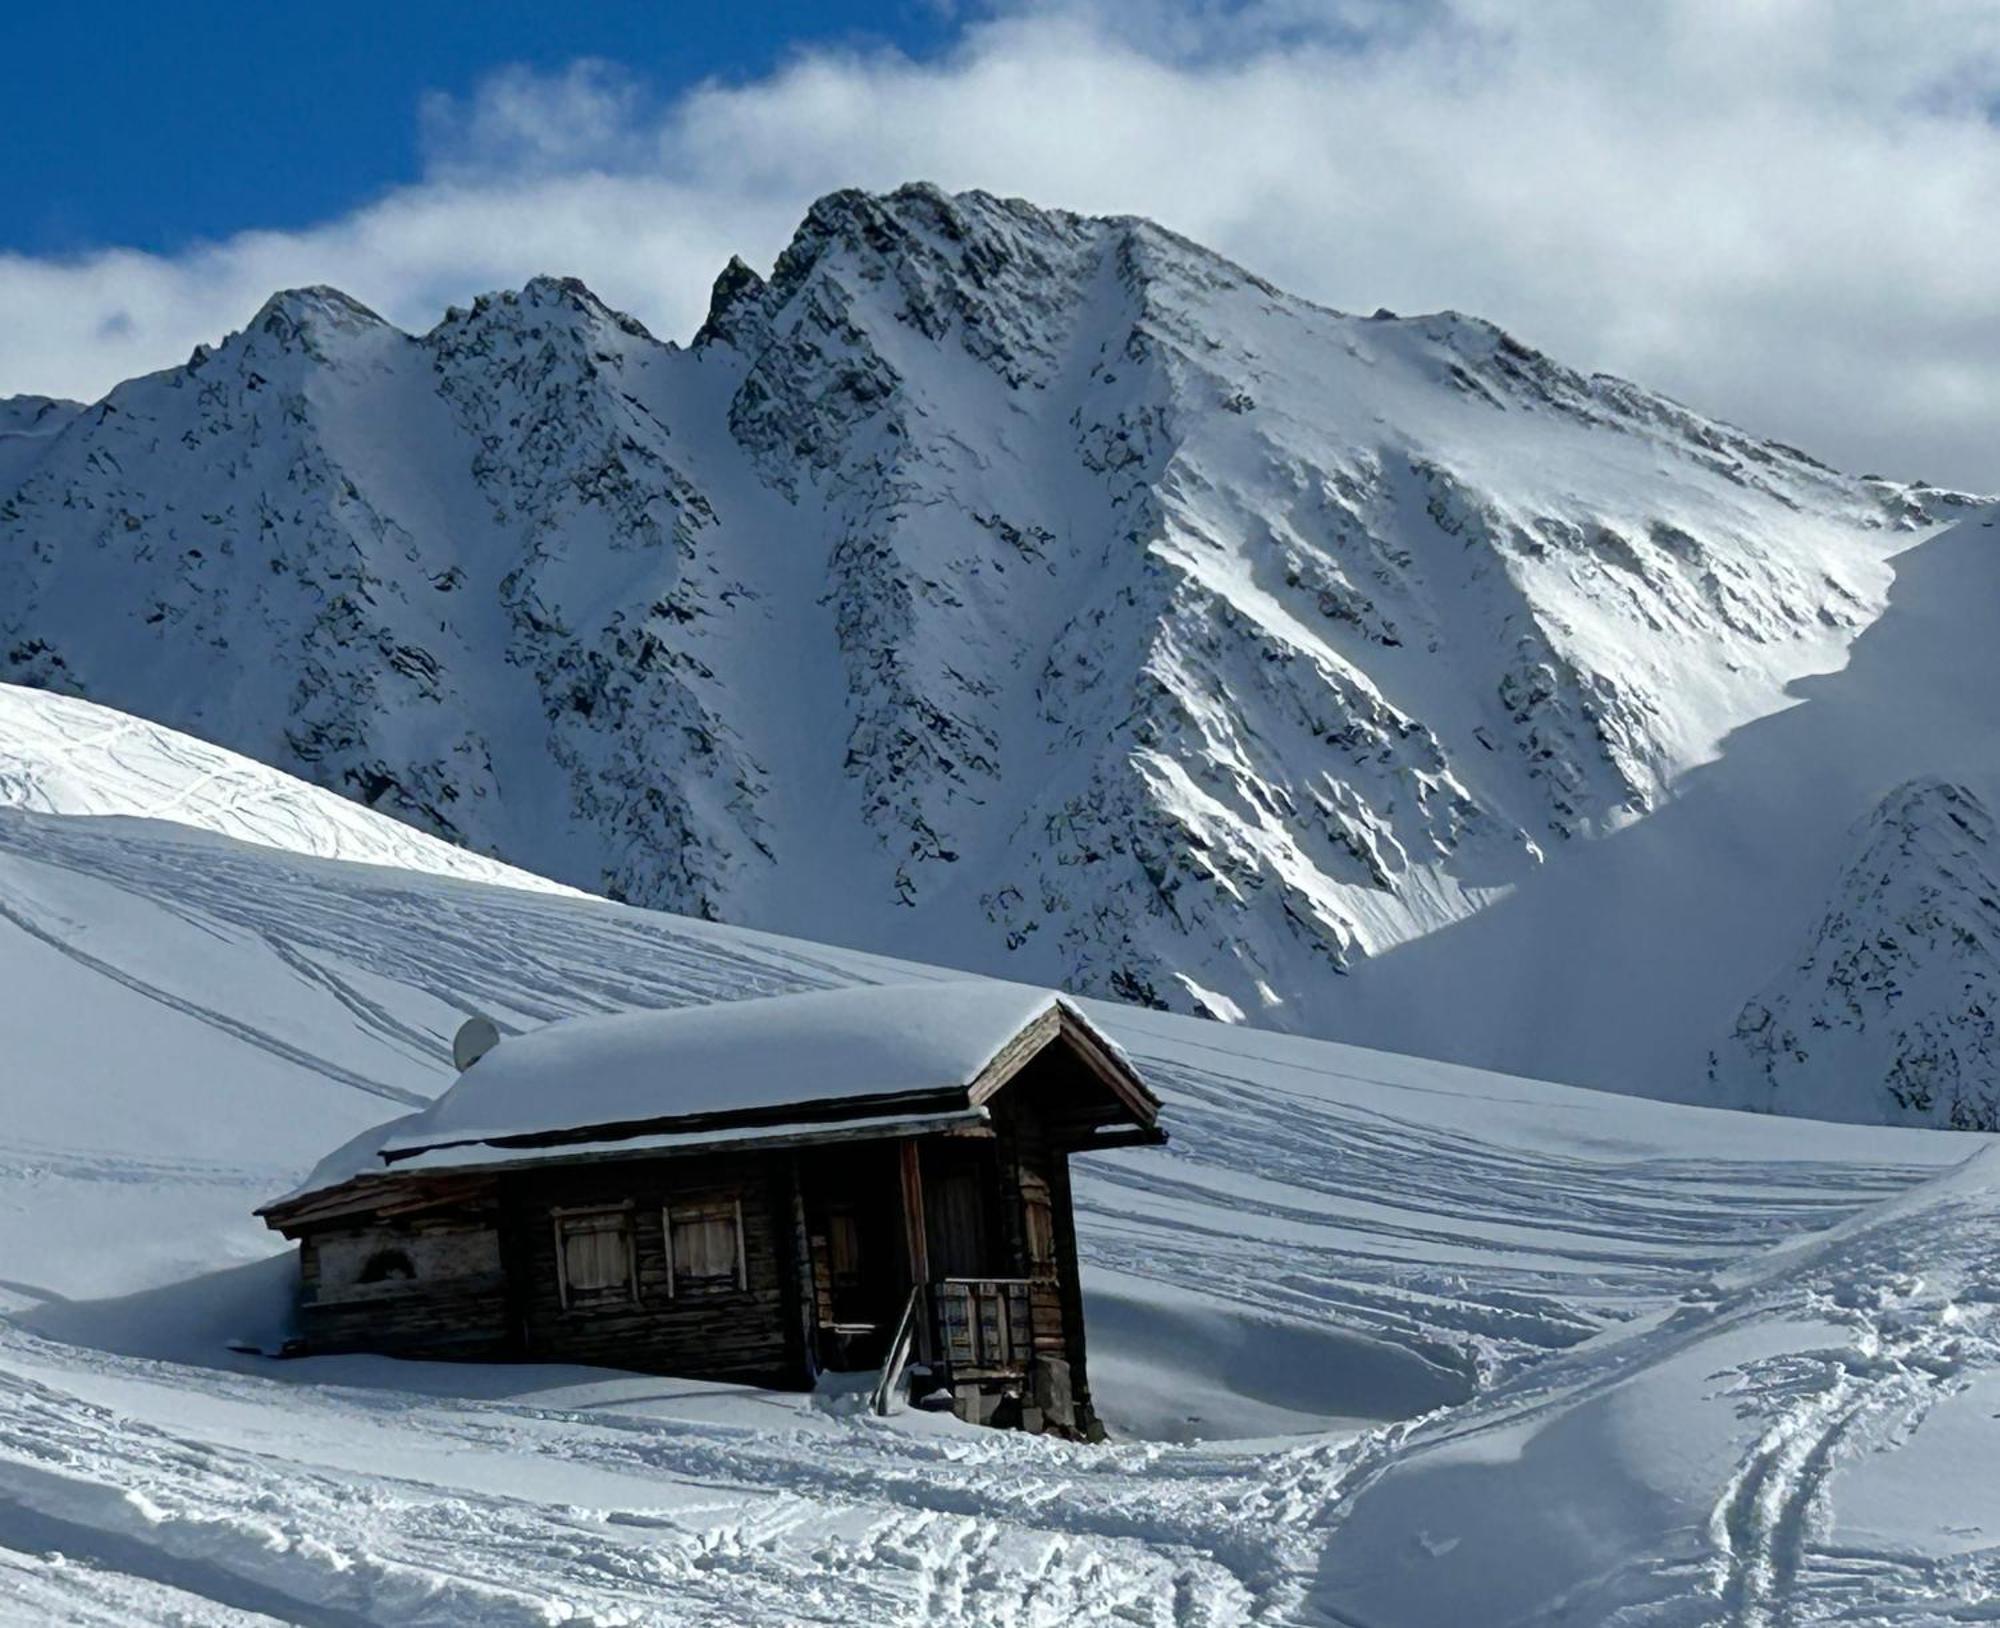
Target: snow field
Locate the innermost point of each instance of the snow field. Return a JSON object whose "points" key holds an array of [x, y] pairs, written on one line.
{"points": [[1385, 1342]]}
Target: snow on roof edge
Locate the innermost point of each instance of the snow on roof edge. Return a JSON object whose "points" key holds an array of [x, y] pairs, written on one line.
{"points": [[973, 1019]]}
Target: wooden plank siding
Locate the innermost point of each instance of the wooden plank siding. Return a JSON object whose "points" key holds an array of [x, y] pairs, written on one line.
{"points": [[471, 1263], [1070, 1289], [752, 1333], [1026, 1163]]}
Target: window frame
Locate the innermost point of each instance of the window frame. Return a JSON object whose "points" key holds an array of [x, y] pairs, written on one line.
{"points": [[378, 1267], [733, 1209], [558, 1218]]}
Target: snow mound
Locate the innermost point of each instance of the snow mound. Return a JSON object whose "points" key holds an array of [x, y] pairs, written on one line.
{"points": [[886, 1040], [1734, 1461], [60, 755]]}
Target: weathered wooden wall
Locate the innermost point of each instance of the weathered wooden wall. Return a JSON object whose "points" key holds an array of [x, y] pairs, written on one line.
{"points": [[454, 1306], [723, 1332], [486, 1282], [1026, 1163], [1042, 1108]]}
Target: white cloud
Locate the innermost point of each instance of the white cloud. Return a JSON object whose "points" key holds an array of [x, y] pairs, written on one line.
{"points": [[1780, 210]]}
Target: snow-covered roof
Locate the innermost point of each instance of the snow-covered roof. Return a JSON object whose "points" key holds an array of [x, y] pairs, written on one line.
{"points": [[881, 1044]]}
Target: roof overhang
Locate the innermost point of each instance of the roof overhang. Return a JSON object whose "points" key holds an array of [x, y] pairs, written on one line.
{"points": [[960, 1109], [1105, 1062], [664, 1144], [801, 1115], [472, 1159]]}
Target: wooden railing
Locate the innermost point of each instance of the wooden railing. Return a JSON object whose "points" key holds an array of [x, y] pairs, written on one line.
{"points": [[977, 1324], [900, 1347], [983, 1323]]}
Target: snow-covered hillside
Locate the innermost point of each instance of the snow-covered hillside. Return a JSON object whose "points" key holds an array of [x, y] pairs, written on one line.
{"points": [[1023, 592], [1807, 927], [1457, 1346], [59, 755]]}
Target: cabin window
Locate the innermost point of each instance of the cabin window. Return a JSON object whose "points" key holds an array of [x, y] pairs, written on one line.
{"points": [[705, 1247], [594, 1263], [386, 1266]]}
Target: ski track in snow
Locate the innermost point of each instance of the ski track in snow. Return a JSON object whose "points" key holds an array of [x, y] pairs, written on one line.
{"points": [[1514, 1257], [1911, 1345]]}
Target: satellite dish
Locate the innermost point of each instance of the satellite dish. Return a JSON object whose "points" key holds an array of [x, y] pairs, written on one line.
{"points": [[475, 1038]]}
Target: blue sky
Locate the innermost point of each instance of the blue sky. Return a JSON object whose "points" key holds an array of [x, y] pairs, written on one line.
{"points": [[156, 122], [1784, 212]]}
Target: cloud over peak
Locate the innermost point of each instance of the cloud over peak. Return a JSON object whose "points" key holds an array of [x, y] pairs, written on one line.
{"points": [[1778, 210]]}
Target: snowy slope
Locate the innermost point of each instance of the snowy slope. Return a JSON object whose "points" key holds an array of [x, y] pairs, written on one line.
{"points": [[1029, 593], [1806, 927], [59, 755], [27, 425], [1409, 1306]]}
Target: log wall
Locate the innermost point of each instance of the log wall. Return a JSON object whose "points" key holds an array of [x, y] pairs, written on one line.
{"points": [[752, 1333]]}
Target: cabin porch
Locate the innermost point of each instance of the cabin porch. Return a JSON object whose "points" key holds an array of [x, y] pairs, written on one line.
{"points": [[936, 1260]]}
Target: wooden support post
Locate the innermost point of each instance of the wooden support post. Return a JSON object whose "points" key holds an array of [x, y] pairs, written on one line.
{"points": [[788, 1211], [1084, 1420], [917, 1239]]}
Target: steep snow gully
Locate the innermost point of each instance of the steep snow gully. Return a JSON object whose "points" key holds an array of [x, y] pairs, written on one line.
{"points": [[1385, 1342]]}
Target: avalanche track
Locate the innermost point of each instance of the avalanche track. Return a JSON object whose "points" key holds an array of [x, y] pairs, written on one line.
{"points": [[1385, 1342]]}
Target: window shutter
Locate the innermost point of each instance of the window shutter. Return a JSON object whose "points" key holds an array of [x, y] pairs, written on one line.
{"points": [[594, 1254], [705, 1246]]}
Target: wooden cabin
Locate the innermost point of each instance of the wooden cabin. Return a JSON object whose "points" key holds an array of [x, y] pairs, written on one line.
{"points": [[763, 1190]]}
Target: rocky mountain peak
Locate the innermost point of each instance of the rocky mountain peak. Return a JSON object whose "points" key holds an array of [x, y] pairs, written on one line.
{"points": [[564, 301], [310, 318], [562, 310], [735, 303], [1896, 993]]}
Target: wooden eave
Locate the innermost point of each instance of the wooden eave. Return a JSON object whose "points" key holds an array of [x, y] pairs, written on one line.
{"points": [[405, 1189], [1060, 1023], [376, 1192], [820, 1110]]}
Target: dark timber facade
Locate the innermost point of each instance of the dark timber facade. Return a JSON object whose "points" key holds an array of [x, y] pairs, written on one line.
{"points": [[932, 1229]]}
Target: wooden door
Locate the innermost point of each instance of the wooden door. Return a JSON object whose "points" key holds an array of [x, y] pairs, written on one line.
{"points": [[958, 1186]]}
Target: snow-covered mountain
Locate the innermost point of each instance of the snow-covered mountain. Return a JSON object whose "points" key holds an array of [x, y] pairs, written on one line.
{"points": [[1025, 592], [1806, 926], [27, 424], [1386, 1340], [1897, 992]]}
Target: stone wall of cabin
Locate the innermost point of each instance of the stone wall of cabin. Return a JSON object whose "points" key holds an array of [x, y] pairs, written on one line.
{"points": [[756, 1333]]}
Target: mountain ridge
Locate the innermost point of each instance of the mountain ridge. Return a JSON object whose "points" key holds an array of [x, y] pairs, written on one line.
{"points": [[1025, 591]]}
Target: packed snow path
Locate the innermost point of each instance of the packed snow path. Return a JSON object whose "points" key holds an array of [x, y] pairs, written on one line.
{"points": [[1386, 1342]]}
